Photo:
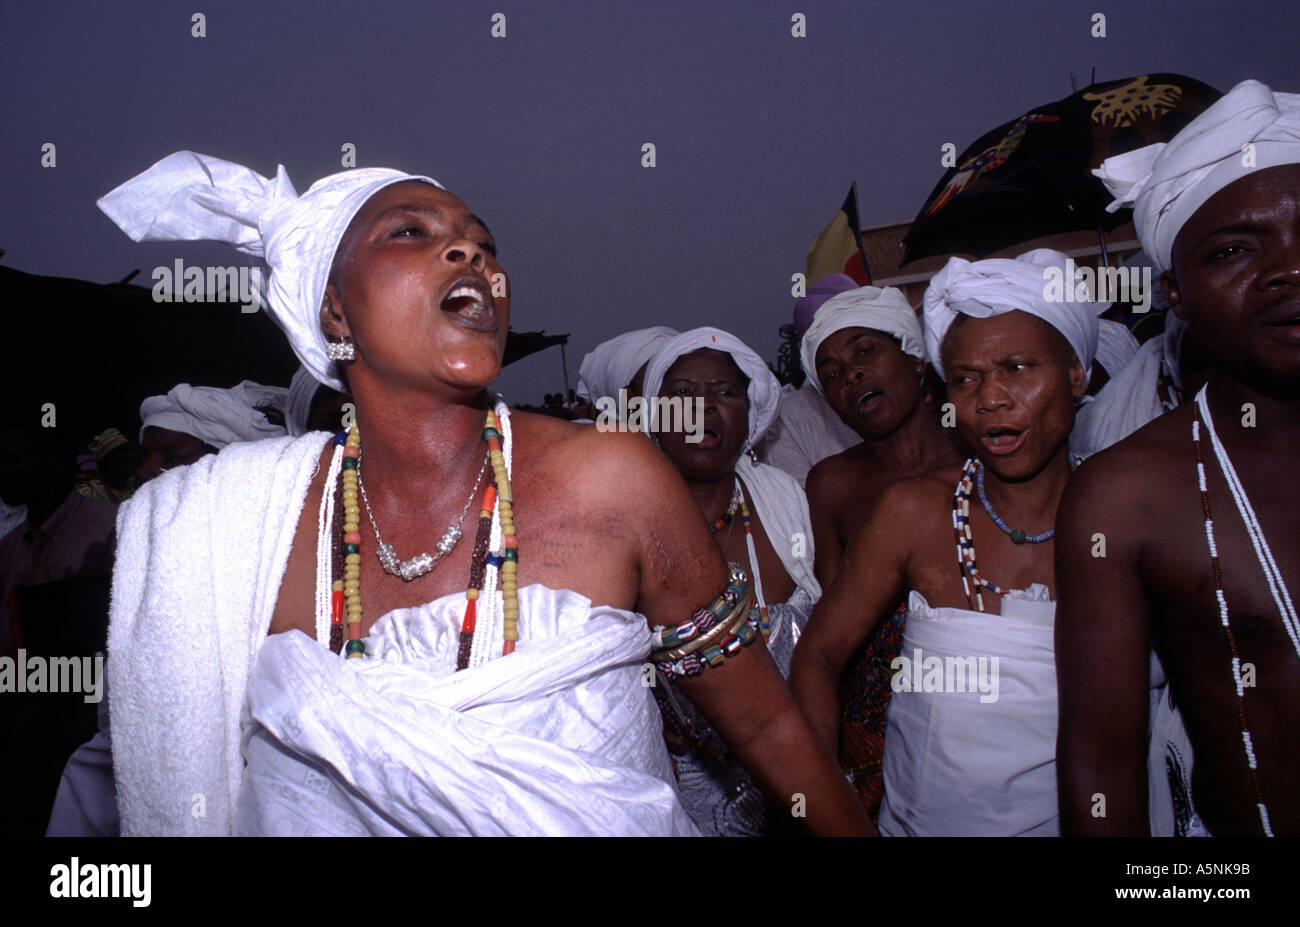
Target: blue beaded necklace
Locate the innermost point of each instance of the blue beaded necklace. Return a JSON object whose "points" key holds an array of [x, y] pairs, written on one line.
{"points": [[1017, 535]]}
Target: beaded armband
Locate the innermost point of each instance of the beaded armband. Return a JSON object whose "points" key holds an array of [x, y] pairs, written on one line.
{"points": [[712, 634]]}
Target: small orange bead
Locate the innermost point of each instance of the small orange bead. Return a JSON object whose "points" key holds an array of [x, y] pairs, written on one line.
{"points": [[352, 537]]}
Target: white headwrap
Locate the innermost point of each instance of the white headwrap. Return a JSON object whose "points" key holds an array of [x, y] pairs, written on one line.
{"points": [[884, 310], [1246, 130], [215, 416], [778, 497], [302, 390], [764, 389], [1115, 346], [193, 197], [612, 364], [987, 288]]}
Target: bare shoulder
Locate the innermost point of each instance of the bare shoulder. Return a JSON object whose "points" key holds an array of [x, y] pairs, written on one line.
{"points": [[828, 473], [917, 499], [1136, 471], [598, 466]]}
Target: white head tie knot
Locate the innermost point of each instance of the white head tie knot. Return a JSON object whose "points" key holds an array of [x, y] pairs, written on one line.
{"points": [[193, 197]]}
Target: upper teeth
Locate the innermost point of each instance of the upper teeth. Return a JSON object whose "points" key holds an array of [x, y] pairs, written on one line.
{"points": [[466, 291]]}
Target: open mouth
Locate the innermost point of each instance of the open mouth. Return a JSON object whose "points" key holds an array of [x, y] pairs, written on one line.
{"points": [[1000, 440], [468, 303], [709, 438], [867, 397]]}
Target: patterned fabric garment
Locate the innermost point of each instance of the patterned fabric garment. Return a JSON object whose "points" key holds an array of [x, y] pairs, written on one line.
{"points": [[716, 791], [864, 700]]}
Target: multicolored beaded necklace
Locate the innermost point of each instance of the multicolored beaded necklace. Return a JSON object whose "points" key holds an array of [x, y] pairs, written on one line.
{"points": [[507, 561], [965, 544], [765, 621], [972, 472], [719, 523], [1277, 586], [345, 597]]}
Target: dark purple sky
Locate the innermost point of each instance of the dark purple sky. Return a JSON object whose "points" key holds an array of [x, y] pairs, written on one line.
{"points": [[758, 134]]}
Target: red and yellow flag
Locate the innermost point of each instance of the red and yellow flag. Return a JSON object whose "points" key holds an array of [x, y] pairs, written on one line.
{"points": [[837, 249]]}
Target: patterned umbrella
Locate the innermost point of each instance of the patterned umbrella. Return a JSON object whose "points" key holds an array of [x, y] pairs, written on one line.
{"points": [[1030, 177]]}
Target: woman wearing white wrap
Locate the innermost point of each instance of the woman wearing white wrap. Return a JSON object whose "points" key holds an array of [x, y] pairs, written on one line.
{"points": [[971, 735], [759, 518], [389, 288]]}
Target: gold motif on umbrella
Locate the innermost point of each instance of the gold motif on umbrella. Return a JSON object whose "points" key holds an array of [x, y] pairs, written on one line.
{"points": [[1124, 105]]}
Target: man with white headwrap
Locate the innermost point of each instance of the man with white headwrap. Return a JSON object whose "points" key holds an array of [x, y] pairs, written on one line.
{"points": [[807, 429], [1198, 510], [972, 722], [190, 421], [865, 353], [511, 704], [737, 398]]}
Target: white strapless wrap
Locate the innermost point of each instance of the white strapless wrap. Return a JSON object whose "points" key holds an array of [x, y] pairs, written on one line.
{"points": [[562, 737], [955, 765]]}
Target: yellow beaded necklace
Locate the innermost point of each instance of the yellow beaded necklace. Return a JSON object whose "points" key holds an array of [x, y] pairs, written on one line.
{"points": [[347, 593]]}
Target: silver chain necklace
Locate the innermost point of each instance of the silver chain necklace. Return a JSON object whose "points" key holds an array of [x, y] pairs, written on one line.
{"points": [[423, 562]]}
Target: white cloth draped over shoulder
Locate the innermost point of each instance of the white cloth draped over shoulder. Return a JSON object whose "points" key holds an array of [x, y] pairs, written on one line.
{"points": [[956, 764], [201, 554], [782, 508]]}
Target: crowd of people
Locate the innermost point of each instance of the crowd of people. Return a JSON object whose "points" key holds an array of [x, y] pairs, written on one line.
{"points": [[772, 621]]}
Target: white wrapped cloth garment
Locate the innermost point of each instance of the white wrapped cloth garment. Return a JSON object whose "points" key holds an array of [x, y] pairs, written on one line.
{"points": [[201, 553], [560, 738], [957, 763]]}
